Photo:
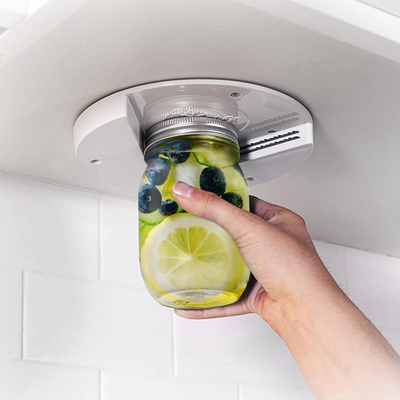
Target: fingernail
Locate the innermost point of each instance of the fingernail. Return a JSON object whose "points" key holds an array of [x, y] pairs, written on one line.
{"points": [[182, 190]]}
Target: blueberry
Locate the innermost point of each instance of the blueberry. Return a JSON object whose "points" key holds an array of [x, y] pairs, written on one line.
{"points": [[178, 158], [157, 170], [213, 180], [149, 199], [234, 199], [178, 151], [168, 207]]}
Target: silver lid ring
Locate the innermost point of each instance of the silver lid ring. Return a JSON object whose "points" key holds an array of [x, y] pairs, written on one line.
{"points": [[183, 126]]}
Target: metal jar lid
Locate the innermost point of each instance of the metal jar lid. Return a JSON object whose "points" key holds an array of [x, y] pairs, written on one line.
{"points": [[190, 126]]}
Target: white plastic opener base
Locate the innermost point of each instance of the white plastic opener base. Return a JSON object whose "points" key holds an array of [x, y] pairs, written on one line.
{"points": [[275, 131]]}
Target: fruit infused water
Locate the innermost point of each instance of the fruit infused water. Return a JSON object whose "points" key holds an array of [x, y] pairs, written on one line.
{"points": [[186, 261]]}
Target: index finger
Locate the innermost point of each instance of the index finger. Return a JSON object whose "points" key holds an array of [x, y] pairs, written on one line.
{"points": [[263, 209]]}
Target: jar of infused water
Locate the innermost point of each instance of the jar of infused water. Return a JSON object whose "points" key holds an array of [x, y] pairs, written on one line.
{"points": [[187, 261]]}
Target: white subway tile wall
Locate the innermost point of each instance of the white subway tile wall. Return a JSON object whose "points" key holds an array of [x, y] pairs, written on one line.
{"points": [[128, 387], [24, 380], [119, 241], [98, 325], [258, 392], [334, 259], [10, 313], [241, 348], [77, 323], [374, 285], [48, 228]]}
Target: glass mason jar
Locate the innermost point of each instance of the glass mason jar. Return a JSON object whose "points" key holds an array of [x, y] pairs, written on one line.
{"points": [[186, 261]]}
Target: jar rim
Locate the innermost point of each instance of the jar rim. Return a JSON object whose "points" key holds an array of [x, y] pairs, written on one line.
{"points": [[184, 126]]}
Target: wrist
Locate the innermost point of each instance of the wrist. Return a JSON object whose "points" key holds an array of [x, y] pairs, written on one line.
{"points": [[304, 303]]}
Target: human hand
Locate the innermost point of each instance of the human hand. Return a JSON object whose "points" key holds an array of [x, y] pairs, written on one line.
{"points": [[292, 291], [274, 244], [335, 346]]}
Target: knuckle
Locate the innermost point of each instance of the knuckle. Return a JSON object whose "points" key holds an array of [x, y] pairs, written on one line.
{"points": [[282, 215], [208, 202], [287, 215], [268, 214]]}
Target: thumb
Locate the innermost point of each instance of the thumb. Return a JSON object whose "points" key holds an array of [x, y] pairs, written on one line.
{"points": [[237, 222]]}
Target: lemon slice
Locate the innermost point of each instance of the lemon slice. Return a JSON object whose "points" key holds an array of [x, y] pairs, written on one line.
{"points": [[144, 231], [189, 252]]}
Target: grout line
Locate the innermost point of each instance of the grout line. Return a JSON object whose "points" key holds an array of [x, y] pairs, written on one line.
{"points": [[154, 375], [101, 386], [239, 382], [174, 346], [379, 8], [77, 278], [240, 392], [10, 358], [65, 186], [100, 227], [23, 334], [352, 249]]}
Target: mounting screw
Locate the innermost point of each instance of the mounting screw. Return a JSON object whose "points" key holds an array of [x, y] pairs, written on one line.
{"points": [[235, 95]]}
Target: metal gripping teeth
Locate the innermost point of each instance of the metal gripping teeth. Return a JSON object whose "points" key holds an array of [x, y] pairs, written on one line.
{"points": [[270, 139], [247, 150]]}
